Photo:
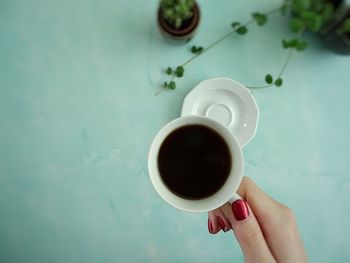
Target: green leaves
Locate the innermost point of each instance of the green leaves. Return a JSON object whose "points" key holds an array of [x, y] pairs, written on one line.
{"points": [[296, 24], [327, 11], [345, 27], [242, 30], [295, 43], [196, 50], [290, 43], [310, 14], [269, 80], [170, 85], [299, 6], [176, 11], [302, 45], [312, 20], [179, 72], [305, 14], [169, 71], [259, 18], [278, 82], [235, 24]]}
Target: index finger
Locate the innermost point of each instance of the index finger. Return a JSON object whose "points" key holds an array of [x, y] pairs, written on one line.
{"points": [[260, 203]]}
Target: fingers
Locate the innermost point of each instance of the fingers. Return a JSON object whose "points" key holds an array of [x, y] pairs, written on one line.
{"points": [[249, 191], [224, 222], [261, 203], [276, 221], [265, 229], [217, 221], [247, 232], [213, 223]]}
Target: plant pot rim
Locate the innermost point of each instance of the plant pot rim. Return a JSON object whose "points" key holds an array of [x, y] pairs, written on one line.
{"points": [[183, 33]]}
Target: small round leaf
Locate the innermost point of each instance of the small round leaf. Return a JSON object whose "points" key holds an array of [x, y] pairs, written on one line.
{"points": [[169, 71], [302, 45], [179, 71], [268, 79], [235, 24], [296, 24], [172, 85], [242, 30], [278, 82], [260, 19]]}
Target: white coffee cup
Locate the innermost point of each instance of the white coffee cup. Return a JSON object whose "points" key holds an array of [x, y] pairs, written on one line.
{"points": [[225, 194]]}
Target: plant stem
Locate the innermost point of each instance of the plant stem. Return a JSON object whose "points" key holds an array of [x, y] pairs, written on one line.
{"points": [[290, 53], [285, 64], [234, 30], [261, 87], [207, 48], [159, 91], [163, 88], [227, 35]]}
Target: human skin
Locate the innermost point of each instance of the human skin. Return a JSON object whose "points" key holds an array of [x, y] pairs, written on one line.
{"points": [[265, 229]]}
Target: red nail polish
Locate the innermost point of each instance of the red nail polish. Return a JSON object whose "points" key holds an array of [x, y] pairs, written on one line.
{"points": [[210, 226], [240, 210], [222, 224]]}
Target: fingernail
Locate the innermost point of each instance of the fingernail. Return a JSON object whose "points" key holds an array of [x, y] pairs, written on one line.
{"points": [[210, 226], [222, 224], [240, 210]]}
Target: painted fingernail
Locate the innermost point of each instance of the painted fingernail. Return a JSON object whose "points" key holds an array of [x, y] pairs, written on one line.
{"points": [[240, 210], [222, 224], [210, 226]]}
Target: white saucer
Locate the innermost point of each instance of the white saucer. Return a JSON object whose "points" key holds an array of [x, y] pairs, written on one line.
{"points": [[227, 102]]}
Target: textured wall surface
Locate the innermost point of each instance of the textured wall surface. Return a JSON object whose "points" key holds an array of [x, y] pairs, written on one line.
{"points": [[78, 114]]}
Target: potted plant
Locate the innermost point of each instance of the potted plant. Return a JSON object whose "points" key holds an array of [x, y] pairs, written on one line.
{"points": [[178, 19], [327, 18], [337, 32]]}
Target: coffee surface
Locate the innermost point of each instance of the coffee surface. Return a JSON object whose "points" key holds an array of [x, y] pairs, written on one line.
{"points": [[194, 161]]}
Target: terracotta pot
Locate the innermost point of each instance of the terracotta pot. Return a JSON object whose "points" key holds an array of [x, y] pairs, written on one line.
{"points": [[186, 31]]}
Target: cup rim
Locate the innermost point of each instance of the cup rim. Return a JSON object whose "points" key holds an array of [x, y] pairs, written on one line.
{"points": [[223, 194]]}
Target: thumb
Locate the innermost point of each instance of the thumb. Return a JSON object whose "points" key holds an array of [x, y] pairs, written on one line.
{"points": [[248, 232]]}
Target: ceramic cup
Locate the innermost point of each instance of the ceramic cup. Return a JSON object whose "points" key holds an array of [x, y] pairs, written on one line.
{"points": [[225, 194]]}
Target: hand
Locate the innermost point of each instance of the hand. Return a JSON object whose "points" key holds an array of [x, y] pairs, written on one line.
{"points": [[265, 229]]}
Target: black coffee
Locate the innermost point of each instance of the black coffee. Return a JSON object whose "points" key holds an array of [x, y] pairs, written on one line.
{"points": [[194, 161]]}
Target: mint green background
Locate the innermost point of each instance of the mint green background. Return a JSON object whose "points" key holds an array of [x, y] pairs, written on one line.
{"points": [[78, 113]]}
